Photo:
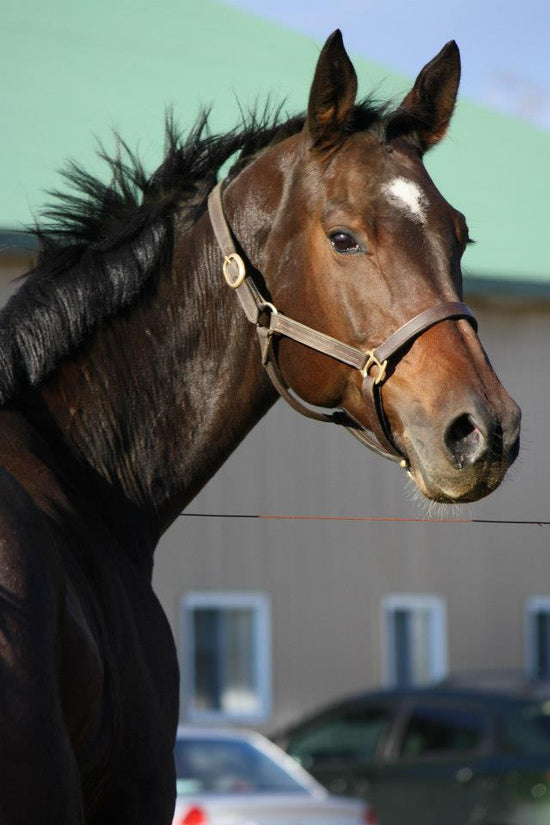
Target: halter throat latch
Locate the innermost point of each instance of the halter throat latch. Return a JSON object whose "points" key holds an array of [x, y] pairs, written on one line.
{"points": [[372, 365]]}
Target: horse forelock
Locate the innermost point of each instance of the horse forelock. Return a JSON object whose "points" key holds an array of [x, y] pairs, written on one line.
{"points": [[101, 243]]}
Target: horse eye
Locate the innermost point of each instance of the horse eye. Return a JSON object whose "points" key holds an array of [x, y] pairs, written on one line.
{"points": [[343, 242]]}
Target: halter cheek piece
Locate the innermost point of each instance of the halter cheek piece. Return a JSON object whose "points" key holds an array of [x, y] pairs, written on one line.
{"points": [[372, 364]]}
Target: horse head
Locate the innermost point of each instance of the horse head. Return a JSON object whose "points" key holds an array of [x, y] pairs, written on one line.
{"points": [[353, 239]]}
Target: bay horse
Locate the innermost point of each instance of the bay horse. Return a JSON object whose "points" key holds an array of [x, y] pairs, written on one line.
{"points": [[129, 370]]}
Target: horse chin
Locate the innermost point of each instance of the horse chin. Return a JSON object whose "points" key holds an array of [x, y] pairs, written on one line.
{"points": [[458, 487]]}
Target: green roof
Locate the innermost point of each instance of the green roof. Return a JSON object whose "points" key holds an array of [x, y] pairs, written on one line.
{"points": [[74, 71]]}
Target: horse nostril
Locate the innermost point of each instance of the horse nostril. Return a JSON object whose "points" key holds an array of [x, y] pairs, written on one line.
{"points": [[464, 441]]}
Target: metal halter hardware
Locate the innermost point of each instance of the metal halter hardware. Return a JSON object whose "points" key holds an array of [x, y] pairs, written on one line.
{"points": [[372, 365]]}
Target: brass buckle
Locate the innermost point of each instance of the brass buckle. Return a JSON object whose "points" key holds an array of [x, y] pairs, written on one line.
{"points": [[372, 360], [234, 258]]}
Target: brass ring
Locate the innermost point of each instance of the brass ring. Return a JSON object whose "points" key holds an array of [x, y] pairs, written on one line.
{"points": [[269, 306], [233, 257], [372, 361]]}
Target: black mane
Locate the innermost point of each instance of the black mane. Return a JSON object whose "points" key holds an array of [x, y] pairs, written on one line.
{"points": [[102, 242]]}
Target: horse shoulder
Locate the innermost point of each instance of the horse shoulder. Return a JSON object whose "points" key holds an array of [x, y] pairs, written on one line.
{"points": [[31, 712], [27, 550]]}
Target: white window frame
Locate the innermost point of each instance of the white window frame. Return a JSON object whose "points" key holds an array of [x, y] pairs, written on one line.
{"points": [[259, 604], [533, 606], [436, 607]]}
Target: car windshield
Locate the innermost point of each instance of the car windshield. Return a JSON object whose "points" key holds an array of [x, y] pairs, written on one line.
{"points": [[228, 766], [527, 730]]}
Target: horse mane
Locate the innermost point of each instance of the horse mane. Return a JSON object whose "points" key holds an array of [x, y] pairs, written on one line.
{"points": [[102, 242]]}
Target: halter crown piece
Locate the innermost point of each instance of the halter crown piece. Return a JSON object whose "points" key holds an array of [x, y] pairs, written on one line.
{"points": [[372, 365]]}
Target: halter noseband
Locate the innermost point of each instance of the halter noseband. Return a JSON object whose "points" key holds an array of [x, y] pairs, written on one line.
{"points": [[371, 364]]}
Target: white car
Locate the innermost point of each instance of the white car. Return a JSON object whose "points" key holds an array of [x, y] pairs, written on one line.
{"points": [[229, 777]]}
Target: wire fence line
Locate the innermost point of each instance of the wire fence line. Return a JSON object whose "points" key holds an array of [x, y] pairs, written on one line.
{"points": [[282, 517]]}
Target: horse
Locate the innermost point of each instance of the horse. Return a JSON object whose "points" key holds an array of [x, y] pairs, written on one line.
{"points": [[130, 369]]}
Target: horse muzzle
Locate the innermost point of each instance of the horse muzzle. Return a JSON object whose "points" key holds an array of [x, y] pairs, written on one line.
{"points": [[467, 457]]}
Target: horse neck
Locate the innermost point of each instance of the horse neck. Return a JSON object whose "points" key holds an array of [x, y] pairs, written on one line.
{"points": [[160, 395], [224, 390]]}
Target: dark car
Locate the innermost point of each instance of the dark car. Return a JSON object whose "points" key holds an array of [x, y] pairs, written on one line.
{"points": [[433, 756]]}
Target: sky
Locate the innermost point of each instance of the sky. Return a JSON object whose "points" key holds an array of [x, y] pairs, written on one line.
{"points": [[505, 46]]}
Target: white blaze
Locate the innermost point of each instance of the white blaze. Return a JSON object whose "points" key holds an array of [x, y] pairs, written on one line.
{"points": [[407, 195]]}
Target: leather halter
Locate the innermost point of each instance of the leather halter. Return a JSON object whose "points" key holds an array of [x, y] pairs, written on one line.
{"points": [[372, 364]]}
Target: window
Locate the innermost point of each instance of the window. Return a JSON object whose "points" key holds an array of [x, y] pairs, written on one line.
{"points": [[226, 671], [352, 734], [414, 639], [537, 637], [437, 730]]}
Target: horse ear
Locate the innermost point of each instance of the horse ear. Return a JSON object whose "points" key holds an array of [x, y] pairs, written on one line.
{"points": [[430, 103], [332, 95]]}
